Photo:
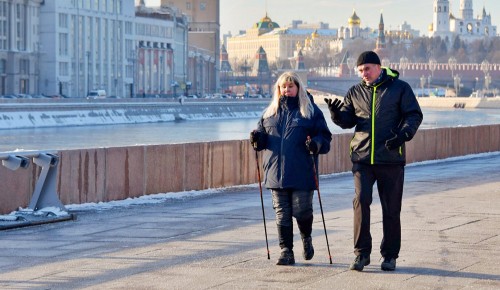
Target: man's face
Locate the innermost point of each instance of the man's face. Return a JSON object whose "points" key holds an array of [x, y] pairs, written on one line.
{"points": [[369, 72]]}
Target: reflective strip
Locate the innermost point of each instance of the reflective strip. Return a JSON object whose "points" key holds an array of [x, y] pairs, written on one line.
{"points": [[372, 153]]}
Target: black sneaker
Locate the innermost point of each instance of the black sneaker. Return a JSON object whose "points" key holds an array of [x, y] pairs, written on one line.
{"points": [[308, 253], [286, 257], [388, 264], [360, 262]]}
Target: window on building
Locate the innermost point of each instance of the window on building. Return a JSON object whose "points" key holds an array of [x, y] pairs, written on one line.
{"points": [[20, 28], [24, 66], [63, 20], [203, 6], [63, 69], [188, 5], [4, 25], [3, 66], [111, 4], [128, 27], [63, 44]]}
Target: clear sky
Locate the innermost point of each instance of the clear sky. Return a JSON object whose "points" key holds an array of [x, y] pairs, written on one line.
{"points": [[236, 15]]}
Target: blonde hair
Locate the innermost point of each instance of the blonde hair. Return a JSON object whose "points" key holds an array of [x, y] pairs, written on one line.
{"points": [[305, 105]]}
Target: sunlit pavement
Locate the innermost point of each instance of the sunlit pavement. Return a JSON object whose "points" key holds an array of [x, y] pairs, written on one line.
{"points": [[450, 222]]}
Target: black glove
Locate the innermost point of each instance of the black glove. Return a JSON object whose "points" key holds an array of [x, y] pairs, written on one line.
{"points": [[397, 140], [312, 146], [256, 137], [334, 106]]}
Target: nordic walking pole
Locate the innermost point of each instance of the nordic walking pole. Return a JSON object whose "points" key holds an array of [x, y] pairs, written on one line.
{"points": [[261, 199], [320, 204]]}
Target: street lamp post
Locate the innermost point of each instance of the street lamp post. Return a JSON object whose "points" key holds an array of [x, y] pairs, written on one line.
{"points": [[162, 76], [403, 62], [485, 67], [452, 63], [487, 81], [429, 79], [88, 71], [457, 80], [422, 84], [432, 65], [350, 65]]}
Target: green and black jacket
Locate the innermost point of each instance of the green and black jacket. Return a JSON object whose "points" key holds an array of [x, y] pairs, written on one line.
{"points": [[375, 110]]}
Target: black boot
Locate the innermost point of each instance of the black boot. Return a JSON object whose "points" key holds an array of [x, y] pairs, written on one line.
{"points": [[308, 253], [285, 235], [286, 258], [305, 227]]}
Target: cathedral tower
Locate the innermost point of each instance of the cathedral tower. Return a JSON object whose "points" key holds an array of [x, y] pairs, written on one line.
{"points": [[441, 18], [466, 12]]}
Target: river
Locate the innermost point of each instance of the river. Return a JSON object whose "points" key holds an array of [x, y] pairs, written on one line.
{"points": [[57, 138]]}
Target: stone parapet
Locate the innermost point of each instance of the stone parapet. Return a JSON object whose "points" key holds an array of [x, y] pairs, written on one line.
{"points": [[106, 174]]}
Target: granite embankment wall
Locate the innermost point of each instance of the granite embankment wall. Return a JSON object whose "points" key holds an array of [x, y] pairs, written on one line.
{"points": [[76, 112], [105, 174]]}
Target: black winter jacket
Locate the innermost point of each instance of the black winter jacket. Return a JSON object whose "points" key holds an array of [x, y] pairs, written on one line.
{"points": [[375, 110], [286, 161]]}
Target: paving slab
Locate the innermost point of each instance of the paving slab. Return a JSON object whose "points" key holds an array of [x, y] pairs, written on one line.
{"points": [[450, 240]]}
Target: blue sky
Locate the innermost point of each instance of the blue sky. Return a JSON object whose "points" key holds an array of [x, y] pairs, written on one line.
{"points": [[238, 15]]}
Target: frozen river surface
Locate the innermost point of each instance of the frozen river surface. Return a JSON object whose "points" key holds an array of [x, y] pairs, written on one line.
{"points": [[194, 131]]}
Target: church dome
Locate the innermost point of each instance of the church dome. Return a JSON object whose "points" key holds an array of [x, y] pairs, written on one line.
{"points": [[315, 34], [430, 27], [266, 23], [354, 19]]}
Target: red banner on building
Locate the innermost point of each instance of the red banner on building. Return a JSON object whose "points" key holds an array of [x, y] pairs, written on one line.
{"points": [[141, 56], [155, 58]]}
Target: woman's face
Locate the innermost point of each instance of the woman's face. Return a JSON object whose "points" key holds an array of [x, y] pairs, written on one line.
{"points": [[289, 89]]}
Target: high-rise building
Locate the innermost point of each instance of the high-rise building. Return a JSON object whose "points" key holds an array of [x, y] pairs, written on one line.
{"points": [[19, 47], [203, 42], [109, 45], [83, 46]]}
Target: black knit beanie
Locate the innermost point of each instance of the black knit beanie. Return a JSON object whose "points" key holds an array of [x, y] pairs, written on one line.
{"points": [[368, 57]]}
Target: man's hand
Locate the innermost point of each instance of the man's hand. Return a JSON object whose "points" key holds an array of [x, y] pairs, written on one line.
{"points": [[334, 106], [397, 140]]}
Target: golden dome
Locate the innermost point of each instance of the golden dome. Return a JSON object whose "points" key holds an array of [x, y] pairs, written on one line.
{"points": [[315, 34], [431, 27], [354, 19], [266, 23]]}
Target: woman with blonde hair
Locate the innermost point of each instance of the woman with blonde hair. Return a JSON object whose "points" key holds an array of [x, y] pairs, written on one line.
{"points": [[282, 133]]}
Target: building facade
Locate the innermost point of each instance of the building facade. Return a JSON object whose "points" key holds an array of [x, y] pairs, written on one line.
{"points": [[280, 44], [158, 52], [83, 46], [112, 45], [446, 25], [203, 59], [19, 46]]}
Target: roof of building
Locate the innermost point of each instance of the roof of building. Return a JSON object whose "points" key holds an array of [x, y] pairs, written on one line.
{"points": [[354, 19], [309, 31], [266, 23]]}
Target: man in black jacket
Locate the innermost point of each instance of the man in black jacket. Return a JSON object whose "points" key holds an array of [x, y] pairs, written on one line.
{"points": [[385, 113]]}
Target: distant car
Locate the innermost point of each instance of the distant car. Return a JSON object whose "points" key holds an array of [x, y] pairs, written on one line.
{"points": [[97, 94]]}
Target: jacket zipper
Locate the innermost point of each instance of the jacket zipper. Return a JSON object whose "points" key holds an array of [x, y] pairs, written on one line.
{"points": [[374, 101], [282, 139]]}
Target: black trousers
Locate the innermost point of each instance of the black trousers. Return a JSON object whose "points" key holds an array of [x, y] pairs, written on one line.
{"points": [[288, 204], [390, 179]]}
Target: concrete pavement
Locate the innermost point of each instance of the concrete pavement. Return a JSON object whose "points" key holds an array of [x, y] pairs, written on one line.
{"points": [[450, 240]]}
